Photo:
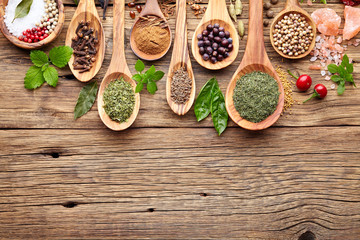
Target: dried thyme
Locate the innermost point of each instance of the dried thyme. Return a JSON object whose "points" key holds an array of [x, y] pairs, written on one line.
{"points": [[256, 96], [119, 100], [181, 85]]}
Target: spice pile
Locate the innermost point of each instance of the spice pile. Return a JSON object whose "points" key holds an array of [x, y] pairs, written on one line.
{"points": [[151, 35], [293, 35], [256, 96], [181, 85], [31, 21], [215, 43], [168, 8], [287, 85], [119, 100], [84, 45]]}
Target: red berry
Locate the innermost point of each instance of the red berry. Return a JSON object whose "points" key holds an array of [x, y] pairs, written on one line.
{"points": [[42, 32], [321, 90], [38, 29], [25, 39], [33, 29], [45, 35], [28, 30], [304, 82], [24, 33], [36, 40], [29, 41], [21, 38], [41, 38], [32, 37], [36, 37]]}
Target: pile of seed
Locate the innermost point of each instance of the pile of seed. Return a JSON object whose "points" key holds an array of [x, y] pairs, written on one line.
{"points": [[50, 18], [181, 85], [84, 45], [287, 85], [293, 34]]}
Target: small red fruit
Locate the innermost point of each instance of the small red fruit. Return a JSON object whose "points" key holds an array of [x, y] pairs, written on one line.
{"points": [[320, 91], [24, 33], [38, 29], [28, 30], [304, 82], [41, 38], [21, 38], [29, 41], [32, 37], [33, 29], [45, 35], [25, 39]]}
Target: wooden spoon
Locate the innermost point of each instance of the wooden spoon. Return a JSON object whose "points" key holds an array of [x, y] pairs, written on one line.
{"points": [[180, 59], [14, 40], [151, 8], [293, 6], [216, 12], [255, 59], [86, 11], [118, 68]]}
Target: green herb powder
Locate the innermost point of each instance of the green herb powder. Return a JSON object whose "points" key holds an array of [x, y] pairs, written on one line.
{"points": [[119, 100], [256, 96]]}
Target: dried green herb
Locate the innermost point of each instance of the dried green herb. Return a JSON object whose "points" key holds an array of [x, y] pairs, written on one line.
{"points": [[232, 11], [22, 9], [119, 100], [256, 96], [238, 7]]}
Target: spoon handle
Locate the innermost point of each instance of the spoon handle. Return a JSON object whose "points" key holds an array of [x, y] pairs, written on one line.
{"points": [[152, 7], [292, 3], [217, 7], [180, 53]]}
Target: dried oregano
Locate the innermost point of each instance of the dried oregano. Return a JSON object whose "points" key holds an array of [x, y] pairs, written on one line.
{"points": [[119, 100], [256, 96]]}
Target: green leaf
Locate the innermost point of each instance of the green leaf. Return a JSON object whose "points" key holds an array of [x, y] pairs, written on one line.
{"points": [[219, 114], [139, 87], [38, 58], [34, 78], [139, 66], [44, 67], [349, 67], [349, 78], [336, 78], [60, 56], [333, 68], [202, 106], [157, 75], [86, 99], [341, 88], [345, 60], [22, 9], [150, 71], [51, 76], [342, 71], [137, 77], [151, 87]]}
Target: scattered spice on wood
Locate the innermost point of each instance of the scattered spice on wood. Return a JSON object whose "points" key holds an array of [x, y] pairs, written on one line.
{"points": [[287, 85], [168, 8], [256, 96], [197, 9], [181, 85], [84, 45], [119, 100], [152, 35]]}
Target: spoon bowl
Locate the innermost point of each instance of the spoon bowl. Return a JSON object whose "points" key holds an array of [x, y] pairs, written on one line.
{"points": [[216, 13], [255, 59], [114, 125], [151, 8], [293, 6], [87, 12], [36, 45], [117, 69]]}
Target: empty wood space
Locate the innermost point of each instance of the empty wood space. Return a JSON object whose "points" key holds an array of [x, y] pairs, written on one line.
{"points": [[170, 177]]}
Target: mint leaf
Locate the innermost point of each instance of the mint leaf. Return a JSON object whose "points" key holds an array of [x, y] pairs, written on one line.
{"points": [[137, 77], [345, 61], [139, 87], [51, 76], [139, 66], [151, 70], [341, 88], [157, 75], [151, 87], [86, 99], [34, 78], [342, 72], [350, 68], [333, 68], [336, 78], [38, 58], [44, 67], [60, 56]]}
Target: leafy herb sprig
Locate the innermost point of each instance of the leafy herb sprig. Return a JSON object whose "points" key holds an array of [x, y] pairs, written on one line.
{"points": [[343, 73], [150, 77], [211, 99], [41, 71]]}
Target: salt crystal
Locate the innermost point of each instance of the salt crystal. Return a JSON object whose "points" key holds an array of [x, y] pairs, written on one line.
{"points": [[327, 78], [322, 64], [332, 86], [323, 73], [313, 59], [19, 25], [339, 40], [329, 73], [356, 44], [318, 38], [357, 40]]}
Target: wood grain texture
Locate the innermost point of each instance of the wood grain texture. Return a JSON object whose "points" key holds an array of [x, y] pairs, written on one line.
{"points": [[180, 58], [255, 59], [86, 11], [293, 6], [29, 46], [168, 176], [216, 12]]}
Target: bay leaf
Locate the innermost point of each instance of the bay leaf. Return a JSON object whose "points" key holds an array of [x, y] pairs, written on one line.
{"points": [[86, 99], [22, 9]]}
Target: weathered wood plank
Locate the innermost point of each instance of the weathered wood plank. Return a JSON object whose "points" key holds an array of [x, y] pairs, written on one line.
{"points": [[275, 184]]}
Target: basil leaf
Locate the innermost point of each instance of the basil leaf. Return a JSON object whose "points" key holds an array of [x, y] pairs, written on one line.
{"points": [[60, 56], [151, 87], [157, 75], [349, 78], [38, 58], [151, 70], [341, 88], [349, 68], [202, 105], [219, 114], [345, 61], [137, 77], [139, 87], [22, 9], [34, 78], [336, 78], [333, 68], [51, 76], [86, 99], [139, 66], [342, 71]]}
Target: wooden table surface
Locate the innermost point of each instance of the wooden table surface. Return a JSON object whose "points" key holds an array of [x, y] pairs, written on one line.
{"points": [[169, 176]]}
